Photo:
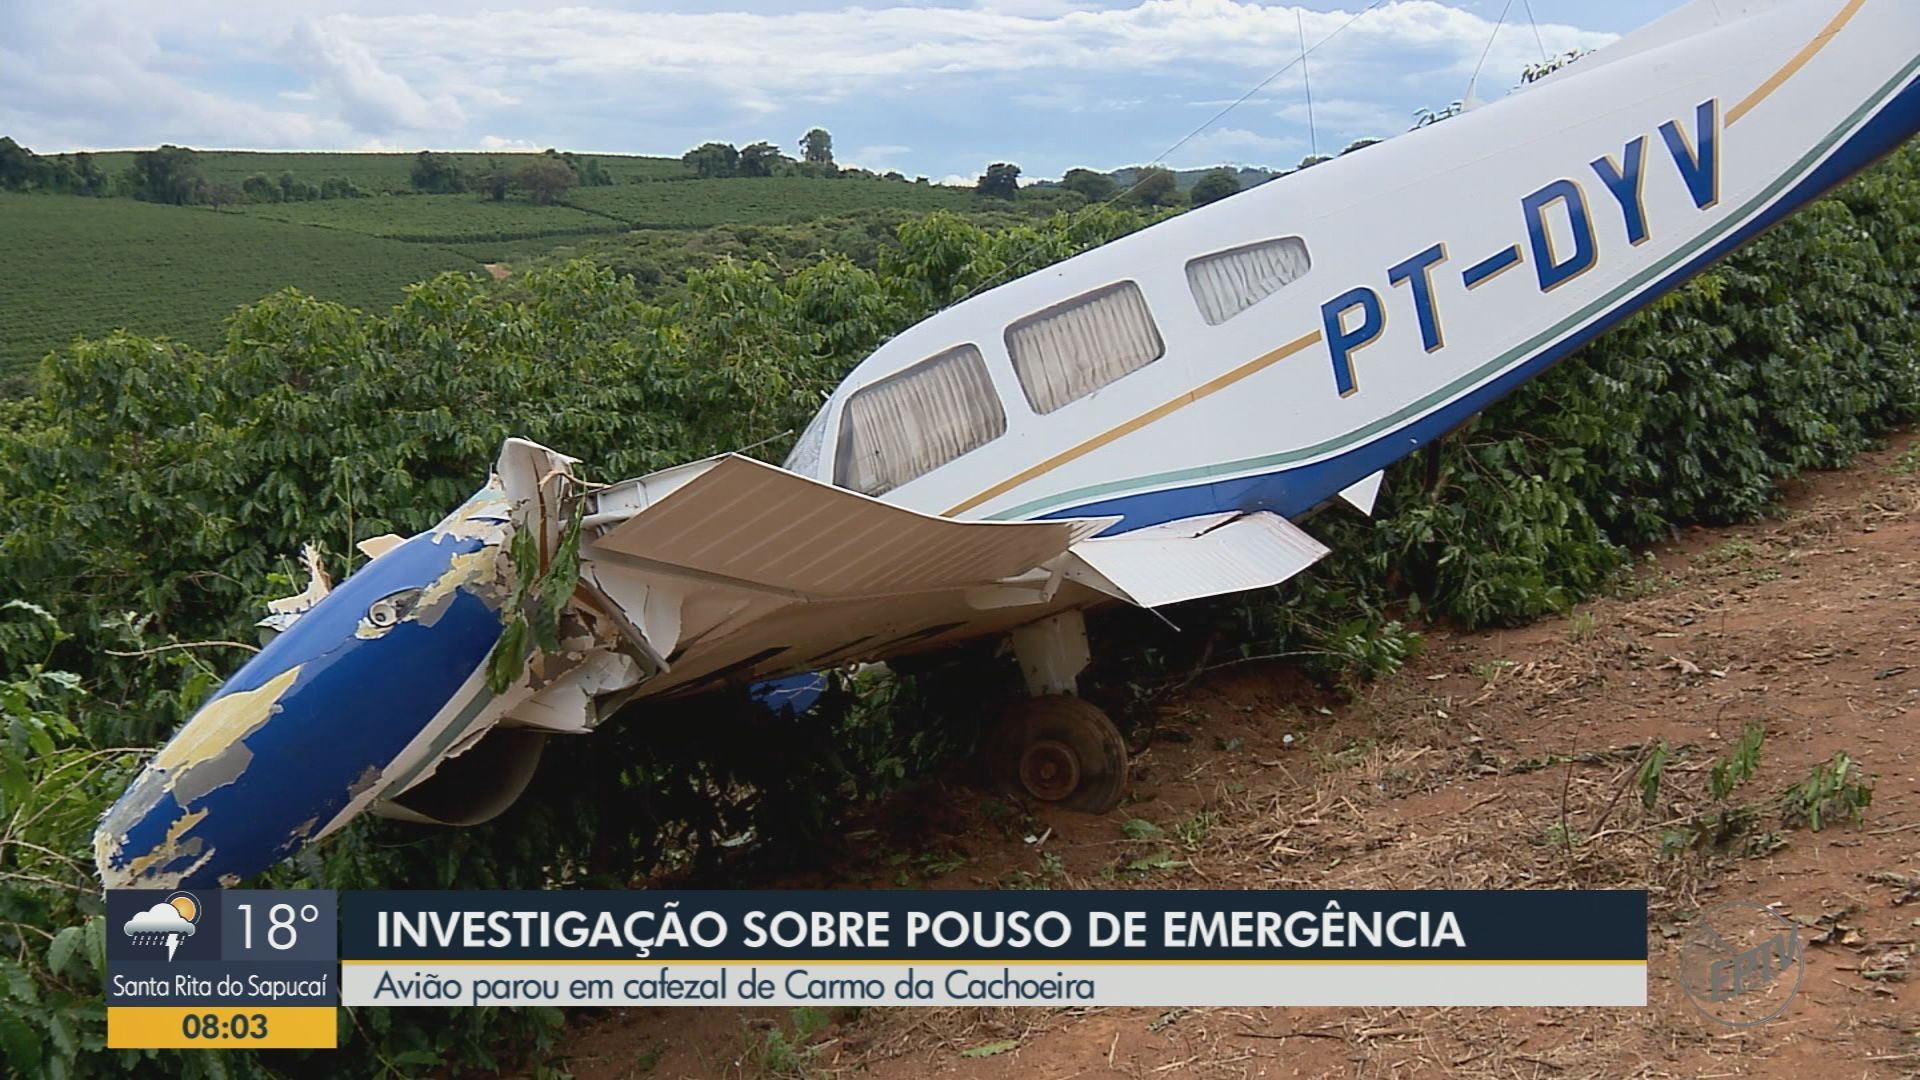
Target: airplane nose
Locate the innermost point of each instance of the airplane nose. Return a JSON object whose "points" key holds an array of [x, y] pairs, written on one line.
{"points": [[384, 668]]}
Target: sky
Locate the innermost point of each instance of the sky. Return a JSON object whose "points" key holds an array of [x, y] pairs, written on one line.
{"points": [[936, 88]]}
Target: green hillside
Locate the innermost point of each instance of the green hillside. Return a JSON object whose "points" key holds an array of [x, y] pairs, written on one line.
{"points": [[1184, 179], [382, 172], [469, 218], [83, 267], [434, 219], [764, 200]]}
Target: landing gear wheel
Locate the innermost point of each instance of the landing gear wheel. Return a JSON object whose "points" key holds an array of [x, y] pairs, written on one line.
{"points": [[1060, 750]]}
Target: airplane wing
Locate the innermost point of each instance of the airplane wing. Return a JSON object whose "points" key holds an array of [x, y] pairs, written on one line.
{"points": [[731, 568], [1195, 557], [746, 523]]}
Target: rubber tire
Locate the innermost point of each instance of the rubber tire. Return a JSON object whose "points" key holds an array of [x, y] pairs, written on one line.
{"points": [[1096, 744]]}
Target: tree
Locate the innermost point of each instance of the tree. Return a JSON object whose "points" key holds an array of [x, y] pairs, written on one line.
{"points": [[54, 174], [294, 189], [88, 179], [545, 180], [1358, 144], [496, 181], [437, 174], [1214, 186], [1311, 160], [210, 193], [1095, 187], [761, 159], [170, 174], [1000, 181], [587, 171], [713, 160], [257, 188], [1155, 186], [817, 147], [16, 164]]}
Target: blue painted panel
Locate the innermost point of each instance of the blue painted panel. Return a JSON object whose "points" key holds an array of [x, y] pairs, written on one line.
{"points": [[355, 705]]}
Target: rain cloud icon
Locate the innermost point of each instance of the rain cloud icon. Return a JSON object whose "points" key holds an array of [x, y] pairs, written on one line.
{"points": [[166, 922]]}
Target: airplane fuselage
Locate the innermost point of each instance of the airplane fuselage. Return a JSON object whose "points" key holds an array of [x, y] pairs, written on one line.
{"points": [[1433, 272]]}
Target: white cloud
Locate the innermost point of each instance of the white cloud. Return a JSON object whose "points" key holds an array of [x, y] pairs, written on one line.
{"points": [[879, 158], [370, 98], [504, 144], [990, 77], [1075, 99], [1235, 145], [1029, 7], [1347, 113], [758, 61], [71, 77]]}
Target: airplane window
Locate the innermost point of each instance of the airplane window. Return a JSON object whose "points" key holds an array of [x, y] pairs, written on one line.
{"points": [[908, 424], [1070, 350], [1229, 282]]}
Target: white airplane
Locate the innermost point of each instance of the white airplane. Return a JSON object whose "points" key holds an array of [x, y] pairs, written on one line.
{"points": [[1144, 423]]}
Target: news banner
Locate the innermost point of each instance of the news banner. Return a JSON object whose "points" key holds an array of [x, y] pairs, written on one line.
{"points": [[271, 968]]}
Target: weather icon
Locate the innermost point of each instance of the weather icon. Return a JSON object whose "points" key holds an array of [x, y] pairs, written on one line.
{"points": [[165, 922]]}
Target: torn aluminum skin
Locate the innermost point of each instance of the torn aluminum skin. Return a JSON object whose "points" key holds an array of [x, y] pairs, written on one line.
{"points": [[367, 690]]}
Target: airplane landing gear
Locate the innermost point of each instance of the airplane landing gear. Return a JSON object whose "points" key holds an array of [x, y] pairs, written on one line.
{"points": [[1054, 747], [1060, 750]]}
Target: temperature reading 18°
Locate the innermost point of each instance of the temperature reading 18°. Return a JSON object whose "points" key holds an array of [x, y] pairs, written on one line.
{"points": [[282, 920]]}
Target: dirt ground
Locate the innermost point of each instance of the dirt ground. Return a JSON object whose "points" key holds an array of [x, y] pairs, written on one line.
{"points": [[1503, 759]]}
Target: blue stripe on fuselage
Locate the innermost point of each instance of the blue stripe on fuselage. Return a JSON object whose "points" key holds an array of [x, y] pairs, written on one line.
{"points": [[1294, 491]]}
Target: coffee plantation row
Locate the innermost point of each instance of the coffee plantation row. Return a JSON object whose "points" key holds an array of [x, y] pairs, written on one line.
{"points": [[391, 173], [84, 266], [77, 266]]}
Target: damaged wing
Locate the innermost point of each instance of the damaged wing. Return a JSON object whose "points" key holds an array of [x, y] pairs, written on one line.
{"points": [[1196, 557], [733, 568], [743, 522]]}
